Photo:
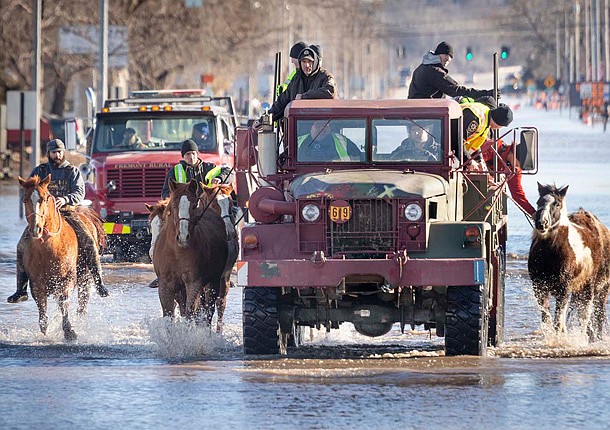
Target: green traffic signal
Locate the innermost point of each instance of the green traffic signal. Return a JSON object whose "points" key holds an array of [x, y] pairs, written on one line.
{"points": [[468, 54], [505, 52]]}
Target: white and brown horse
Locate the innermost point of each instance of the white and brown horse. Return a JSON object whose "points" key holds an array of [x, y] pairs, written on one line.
{"points": [[190, 253], [569, 259]]}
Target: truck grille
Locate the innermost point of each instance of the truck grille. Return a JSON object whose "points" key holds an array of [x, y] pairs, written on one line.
{"points": [[137, 183], [370, 232]]}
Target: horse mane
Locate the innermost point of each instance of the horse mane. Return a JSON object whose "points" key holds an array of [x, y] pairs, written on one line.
{"points": [[158, 209]]}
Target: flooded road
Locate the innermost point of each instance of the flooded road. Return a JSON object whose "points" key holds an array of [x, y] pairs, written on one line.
{"points": [[130, 368]]}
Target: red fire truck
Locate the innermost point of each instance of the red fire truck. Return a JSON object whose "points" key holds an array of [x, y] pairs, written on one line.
{"points": [[121, 174]]}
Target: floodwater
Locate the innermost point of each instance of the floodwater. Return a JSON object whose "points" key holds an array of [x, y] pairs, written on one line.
{"points": [[130, 368]]}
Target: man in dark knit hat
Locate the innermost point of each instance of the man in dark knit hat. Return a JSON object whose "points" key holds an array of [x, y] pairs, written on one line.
{"points": [[68, 188], [294, 59], [193, 167], [431, 79], [479, 118]]}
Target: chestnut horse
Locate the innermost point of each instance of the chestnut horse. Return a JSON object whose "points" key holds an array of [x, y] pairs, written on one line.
{"points": [[50, 259], [569, 255], [190, 253]]}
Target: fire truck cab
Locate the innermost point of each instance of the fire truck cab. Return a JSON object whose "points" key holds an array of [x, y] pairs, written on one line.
{"points": [[136, 141]]}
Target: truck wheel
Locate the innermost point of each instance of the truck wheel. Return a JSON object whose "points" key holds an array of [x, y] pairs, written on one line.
{"points": [[466, 322], [261, 329]]}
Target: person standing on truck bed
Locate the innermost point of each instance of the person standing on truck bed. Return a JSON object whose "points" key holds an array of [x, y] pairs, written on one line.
{"points": [[431, 78], [68, 188], [294, 59], [310, 82]]}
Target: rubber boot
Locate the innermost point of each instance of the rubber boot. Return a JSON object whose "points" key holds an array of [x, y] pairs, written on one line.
{"points": [[21, 295]]}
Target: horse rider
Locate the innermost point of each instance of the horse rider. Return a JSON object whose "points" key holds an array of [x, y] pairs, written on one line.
{"points": [[193, 167], [68, 188]]}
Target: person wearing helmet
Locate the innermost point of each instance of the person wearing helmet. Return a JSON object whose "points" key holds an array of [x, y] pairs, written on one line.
{"points": [[68, 188]]}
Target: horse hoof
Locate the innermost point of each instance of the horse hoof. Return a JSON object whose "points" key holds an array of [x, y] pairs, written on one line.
{"points": [[17, 297], [102, 291]]}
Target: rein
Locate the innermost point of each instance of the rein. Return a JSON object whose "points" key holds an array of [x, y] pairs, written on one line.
{"points": [[198, 218]]}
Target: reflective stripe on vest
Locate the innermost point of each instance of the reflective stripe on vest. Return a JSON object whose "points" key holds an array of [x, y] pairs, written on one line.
{"points": [[340, 145], [282, 87], [212, 174], [479, 136], [179, 173]]}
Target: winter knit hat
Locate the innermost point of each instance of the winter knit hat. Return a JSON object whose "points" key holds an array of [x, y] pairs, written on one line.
{"points": [[444, 48], [502, 115], [188, 145], [55, 144], [296, 49], [317, 49]]}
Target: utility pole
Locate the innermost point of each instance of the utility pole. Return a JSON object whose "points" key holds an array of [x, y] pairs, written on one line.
{"points": [[577, 40], [36, 83], [607, 39], [557, 50], [103, 54], [587, 41]]}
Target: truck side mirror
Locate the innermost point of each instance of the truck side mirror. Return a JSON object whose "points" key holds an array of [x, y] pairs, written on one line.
{"points": [[527, 150], [71, 139]]}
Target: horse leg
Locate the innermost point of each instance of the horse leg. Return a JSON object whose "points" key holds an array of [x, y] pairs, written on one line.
{"points": [[542, 297], [561, 310], [40, 297], [166, 297], [221, 300], [69, 334], [181, 298], [83, 279], [599, 320], [193, 300], [88, 254]]}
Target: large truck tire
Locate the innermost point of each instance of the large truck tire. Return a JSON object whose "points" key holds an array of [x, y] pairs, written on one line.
{"points": [[261, 329], [466, 322]]}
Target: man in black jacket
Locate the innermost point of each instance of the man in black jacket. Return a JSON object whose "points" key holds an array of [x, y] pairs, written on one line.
{"points": [[431, 79], [68, 188], [310, 82]]}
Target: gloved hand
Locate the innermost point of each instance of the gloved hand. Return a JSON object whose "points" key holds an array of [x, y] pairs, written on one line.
{"points": [[60, 202]]}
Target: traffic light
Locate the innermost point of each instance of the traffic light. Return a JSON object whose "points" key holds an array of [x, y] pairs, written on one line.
{"points": [[468, 54], [505, 52]]}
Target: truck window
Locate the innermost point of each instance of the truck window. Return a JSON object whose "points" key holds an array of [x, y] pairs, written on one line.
{"points": [[155, 134], [331, 140], [407, 140]]}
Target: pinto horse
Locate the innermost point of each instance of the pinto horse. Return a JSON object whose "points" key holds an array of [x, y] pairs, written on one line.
{"points": [[190, 253], [50, 259], [569, 255]]}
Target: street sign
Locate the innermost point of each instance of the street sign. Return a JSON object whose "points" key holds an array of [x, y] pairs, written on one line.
{"points": [[13, 110]]}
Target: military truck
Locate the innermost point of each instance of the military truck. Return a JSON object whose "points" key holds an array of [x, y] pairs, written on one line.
{"points": [[353, 224], [122, 176]]}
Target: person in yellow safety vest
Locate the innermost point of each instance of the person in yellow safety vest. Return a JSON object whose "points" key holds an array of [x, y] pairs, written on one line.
{"points": [[294, 59], [192, 167], [479, 118], [322, 145]]}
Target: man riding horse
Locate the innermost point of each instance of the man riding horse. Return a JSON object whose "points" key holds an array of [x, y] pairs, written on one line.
{"points": [[68, 188]]}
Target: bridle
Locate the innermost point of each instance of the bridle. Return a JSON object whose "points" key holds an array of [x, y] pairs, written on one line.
{"points": [[46, 232]]}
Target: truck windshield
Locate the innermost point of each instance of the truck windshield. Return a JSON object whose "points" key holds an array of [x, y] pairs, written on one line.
{"points": [[154, 134], [412, 140], [392, 140]]}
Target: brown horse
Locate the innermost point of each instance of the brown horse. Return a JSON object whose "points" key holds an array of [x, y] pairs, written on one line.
{"points": [[218, 198], [50, 259], [569, 255], [190, 253]]}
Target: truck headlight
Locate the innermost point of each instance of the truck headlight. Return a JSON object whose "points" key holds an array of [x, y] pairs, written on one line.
{"points": [[310, 212], [413, 212]]}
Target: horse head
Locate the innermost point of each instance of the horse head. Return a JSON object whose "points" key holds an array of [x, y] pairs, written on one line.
{"points": [[218, 198], [182, 205], [550, 207], [39, 205]]}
